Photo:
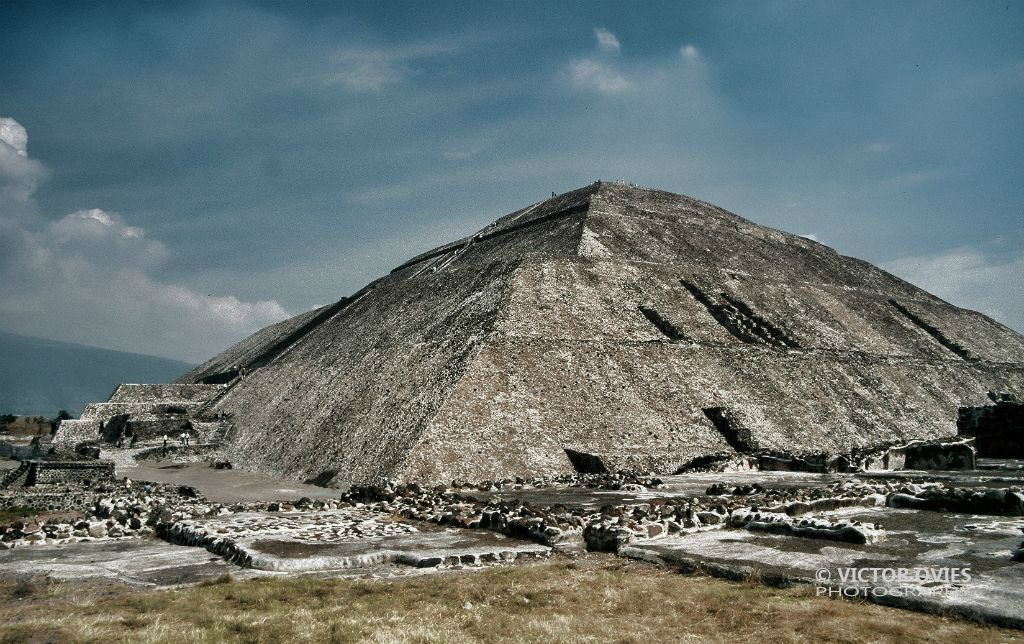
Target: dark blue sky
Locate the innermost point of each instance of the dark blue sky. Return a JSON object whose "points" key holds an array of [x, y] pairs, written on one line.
{"points": [[194, 171]]}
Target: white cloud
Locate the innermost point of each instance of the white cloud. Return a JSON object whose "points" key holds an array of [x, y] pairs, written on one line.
{"points": [[89, 277], [612, 75], [911, 179], [812, 237], [460, 154], [14, 134], [591, 74], [95, 223], [987, 281], [367, 71], [606, 40], [372, 70], [878, 147], [19, 175]]}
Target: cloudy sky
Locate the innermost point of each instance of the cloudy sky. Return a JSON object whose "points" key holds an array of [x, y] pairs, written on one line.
{"points": [[173, 177]]}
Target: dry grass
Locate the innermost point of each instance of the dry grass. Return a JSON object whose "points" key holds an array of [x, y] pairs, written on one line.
{"points": [[14, 514], [26, 426], [591, 601]]}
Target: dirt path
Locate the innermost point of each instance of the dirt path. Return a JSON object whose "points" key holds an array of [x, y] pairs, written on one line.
{"points": [[225, 486]]}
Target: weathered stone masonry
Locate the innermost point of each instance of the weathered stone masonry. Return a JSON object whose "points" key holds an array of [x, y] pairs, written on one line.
{"points": [[606, 322]]}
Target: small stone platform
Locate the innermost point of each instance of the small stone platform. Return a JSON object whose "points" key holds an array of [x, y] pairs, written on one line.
{"points": [[39, 472], [342, 539]]}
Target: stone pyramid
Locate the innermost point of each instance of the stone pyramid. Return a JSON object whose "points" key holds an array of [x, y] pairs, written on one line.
{"points": [[608, 327]]}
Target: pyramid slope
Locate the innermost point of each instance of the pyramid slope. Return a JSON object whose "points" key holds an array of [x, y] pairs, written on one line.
{"points": [[605, 380], [251, 349], [606, 321], [355, 393]]}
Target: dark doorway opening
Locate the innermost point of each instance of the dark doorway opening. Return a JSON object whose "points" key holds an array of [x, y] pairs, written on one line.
{"points": [[586, 463]]}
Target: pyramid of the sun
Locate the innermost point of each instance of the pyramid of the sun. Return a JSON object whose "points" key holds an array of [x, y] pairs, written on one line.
{"points": [[613, 322]]}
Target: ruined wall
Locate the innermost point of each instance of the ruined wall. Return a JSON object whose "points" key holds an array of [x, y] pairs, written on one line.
{"points": [[75, 474], [15, 451], [53, 500]]}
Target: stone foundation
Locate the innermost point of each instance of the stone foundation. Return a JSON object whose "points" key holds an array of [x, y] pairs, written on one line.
{"points": [[80, 473]]}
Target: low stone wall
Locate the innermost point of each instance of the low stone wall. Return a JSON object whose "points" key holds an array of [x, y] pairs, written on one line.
{"points": [[179, 453], [953, 454], [941, 454], [108, 512], [15, 477], [810, 528], [69, 472], [932, 496], [19, 452], [50, 500]]}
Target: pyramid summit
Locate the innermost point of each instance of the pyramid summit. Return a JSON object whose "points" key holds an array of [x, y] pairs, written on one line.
{"points": [[608, 327]]}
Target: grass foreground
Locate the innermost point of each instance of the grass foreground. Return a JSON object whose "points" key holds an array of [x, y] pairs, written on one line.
{"points": [[590, 600]]}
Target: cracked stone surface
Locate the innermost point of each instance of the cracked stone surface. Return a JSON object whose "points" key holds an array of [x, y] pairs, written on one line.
{"points": [[146, 563]]}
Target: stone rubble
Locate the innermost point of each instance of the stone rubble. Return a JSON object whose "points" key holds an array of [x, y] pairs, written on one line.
{"points": [[222, 535], [606, 529], [181, 515], [942, 454], [927, 495], [783, 524], [113, 512], [623, 480]]}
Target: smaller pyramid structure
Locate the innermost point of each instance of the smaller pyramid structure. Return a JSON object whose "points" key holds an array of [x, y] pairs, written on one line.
{"points": [[609, 327]]}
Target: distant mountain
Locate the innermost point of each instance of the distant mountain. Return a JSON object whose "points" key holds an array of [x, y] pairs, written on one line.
{"points": [[41, 377]]}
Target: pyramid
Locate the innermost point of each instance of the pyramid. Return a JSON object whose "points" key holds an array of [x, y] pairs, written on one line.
{"points": [[609, 327]]}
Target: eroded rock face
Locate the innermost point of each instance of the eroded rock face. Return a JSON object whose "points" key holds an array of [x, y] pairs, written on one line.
{"points": [[608, 328]]}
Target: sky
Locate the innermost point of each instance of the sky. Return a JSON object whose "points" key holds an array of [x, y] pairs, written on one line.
{"points": [[174, 177]]}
